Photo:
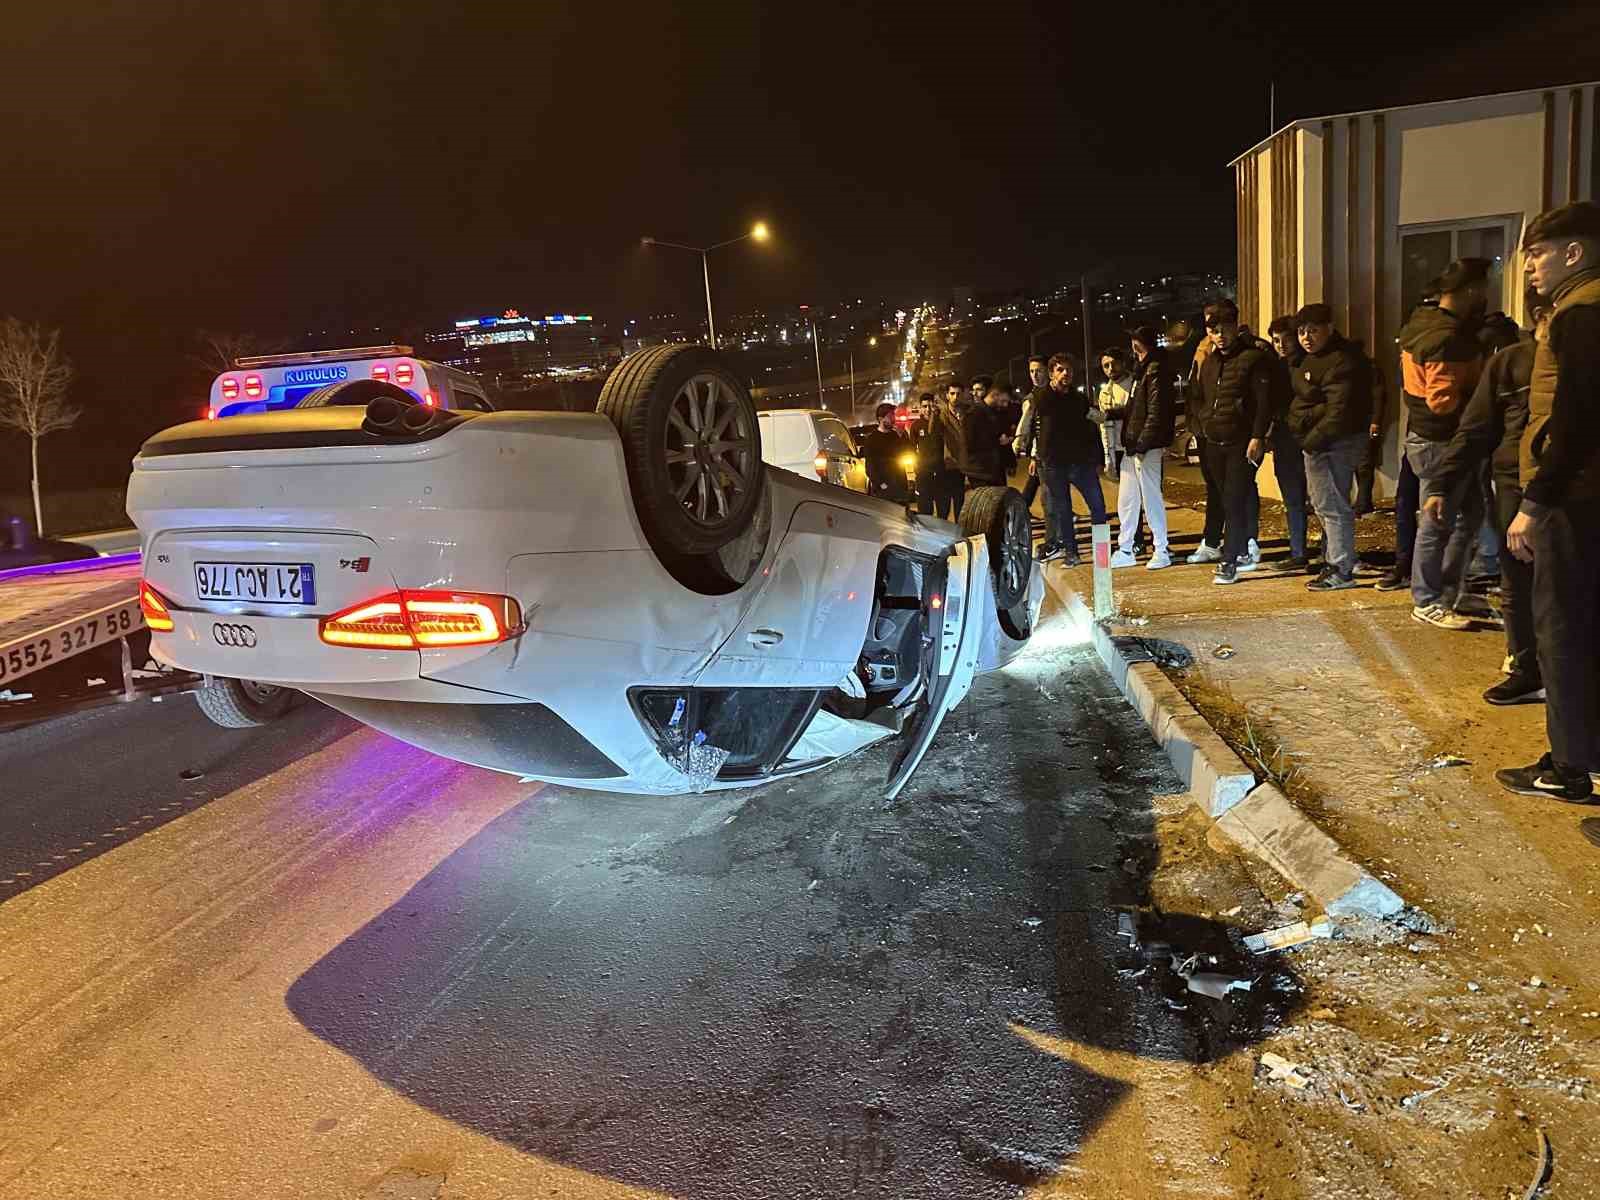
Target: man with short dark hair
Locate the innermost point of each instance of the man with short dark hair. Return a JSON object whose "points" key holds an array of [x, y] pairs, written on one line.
{"points": [[1329, 415], [978, 389], [882, 448], [928, 447], [1022, 445], [1491, 432], [1068, 457], [1147, 431], [1288, 458], [985, 440], [1558, 526], [1440, 361], [1236, 386]]}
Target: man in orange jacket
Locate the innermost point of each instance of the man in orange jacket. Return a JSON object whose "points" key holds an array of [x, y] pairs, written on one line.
{"points": [[1440, 361]]}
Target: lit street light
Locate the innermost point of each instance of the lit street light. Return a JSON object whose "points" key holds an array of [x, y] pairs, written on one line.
{"points": [[758, 233]]}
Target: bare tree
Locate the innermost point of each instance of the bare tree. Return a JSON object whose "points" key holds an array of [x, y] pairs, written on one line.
{"points": [[216, 352], [33, 390]]}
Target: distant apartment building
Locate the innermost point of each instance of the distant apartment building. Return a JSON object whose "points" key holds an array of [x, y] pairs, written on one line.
{"points": [[1361, 210]]}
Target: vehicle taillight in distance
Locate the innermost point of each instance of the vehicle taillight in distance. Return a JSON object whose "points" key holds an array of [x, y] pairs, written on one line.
{"points": [[403, 374], [421, 620], [156, 613], [230, 388], [252, 387], [820, 462], [380, 370]]}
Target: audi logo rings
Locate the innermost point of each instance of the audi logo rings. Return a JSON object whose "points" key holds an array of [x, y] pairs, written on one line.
{"points": [[241, 637]]}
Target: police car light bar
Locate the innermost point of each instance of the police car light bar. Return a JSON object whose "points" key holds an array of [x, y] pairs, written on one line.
{"points": [[321, 356]]}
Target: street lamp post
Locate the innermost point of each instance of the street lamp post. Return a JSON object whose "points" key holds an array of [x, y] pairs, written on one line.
{"points": [[758, 232]]}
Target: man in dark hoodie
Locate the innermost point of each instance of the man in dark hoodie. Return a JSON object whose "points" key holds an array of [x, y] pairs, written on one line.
{"points": [[1288, 456], [1236, 388], [1329, 416], [1069, 456], [1148, 420], [1558, 524], [1491, 431], [1440, 361]]}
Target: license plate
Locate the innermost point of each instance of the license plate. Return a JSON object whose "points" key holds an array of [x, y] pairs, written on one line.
{"points": [[256, 583]]}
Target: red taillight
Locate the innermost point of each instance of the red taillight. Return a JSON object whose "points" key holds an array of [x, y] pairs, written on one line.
{"points": [[380, 370], [156, 613], [820, 462], [413, 620], [403, 374], [230, 388], [252, 387], [211, 414], [427, 398]]}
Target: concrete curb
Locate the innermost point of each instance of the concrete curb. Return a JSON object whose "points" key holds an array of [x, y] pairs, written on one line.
{"points": [[1259, 819]]}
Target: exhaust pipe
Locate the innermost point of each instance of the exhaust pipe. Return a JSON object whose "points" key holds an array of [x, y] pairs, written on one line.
{"points": [[391, 417]]}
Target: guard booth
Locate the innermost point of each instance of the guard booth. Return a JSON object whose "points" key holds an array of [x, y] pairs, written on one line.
{"points": [[1361, 210]]}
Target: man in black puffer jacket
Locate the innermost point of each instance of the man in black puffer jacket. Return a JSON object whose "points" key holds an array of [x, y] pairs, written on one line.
{"points": [[1236, 388], [1329, 416], [1491, 428], [1069, 456], [1147, 420]]}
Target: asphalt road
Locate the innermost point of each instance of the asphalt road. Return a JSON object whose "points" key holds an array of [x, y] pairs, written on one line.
{"points": [[332, 965]]}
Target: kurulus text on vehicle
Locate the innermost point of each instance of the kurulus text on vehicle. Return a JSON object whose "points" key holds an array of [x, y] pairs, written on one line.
{"points": [[414, 620]]}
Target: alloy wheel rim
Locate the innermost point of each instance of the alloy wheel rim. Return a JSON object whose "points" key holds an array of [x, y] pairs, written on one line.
{"points": [[1018, 552], [710, 450]]}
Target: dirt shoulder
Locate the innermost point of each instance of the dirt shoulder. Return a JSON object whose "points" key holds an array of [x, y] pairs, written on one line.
{"points": [[1433, 1056]]}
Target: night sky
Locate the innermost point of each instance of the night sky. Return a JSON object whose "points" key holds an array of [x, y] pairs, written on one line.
{"points": [[282, 167]]}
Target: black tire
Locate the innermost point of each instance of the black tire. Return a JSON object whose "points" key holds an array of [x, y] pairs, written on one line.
{"points": [[694, 491], [353, 392], [999, 516], [242, 703]]}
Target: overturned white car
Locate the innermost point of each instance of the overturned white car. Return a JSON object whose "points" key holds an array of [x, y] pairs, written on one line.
{"points": [[628, 600]]}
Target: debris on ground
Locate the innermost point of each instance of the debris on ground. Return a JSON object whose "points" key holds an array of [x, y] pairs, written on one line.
{"points": [[1215, 985], [1286, 936], [1224, 651], [1442, 761], [1281, 1069], [1541, 1167]]}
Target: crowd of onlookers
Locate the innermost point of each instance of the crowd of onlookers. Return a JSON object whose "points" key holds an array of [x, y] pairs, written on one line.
{"points": [[1499, 471]]}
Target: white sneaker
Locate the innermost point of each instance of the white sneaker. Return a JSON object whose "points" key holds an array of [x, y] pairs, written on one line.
{"points": [[1123, 558], [1253, 553], [1206, 554], [1440, 617], [1247, 564], [1160, 560]]}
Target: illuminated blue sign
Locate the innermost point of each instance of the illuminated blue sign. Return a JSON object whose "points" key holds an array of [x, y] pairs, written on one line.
{"points": [[327, 373]]}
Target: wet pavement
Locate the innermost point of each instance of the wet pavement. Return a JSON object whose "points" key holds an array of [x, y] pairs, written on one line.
{"points": [[347, 968]]}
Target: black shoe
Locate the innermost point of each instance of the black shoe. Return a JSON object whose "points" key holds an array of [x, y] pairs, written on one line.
{"points": [[1226, 573], [1543, 779], [1292, 565], [1331, 581], [1051, 551], [1516, 689], [1394, 581]]}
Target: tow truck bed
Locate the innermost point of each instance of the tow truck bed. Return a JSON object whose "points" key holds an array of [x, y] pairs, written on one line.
{"points": [[72, 636]]}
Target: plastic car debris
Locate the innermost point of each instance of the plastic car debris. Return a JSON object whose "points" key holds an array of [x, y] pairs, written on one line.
{"points": [[1280, 1068], [1286, 936]]}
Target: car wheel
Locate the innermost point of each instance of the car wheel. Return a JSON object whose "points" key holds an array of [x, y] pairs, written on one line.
{"points": [[999, 516], [243, 703], [353, 392], [692, 446]]}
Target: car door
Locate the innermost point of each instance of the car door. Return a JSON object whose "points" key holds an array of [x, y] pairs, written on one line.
{"points": [[956, 661]]}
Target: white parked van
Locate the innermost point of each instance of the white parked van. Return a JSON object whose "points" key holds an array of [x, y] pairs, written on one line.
{"points": [[273, 382], [814, 443]]}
